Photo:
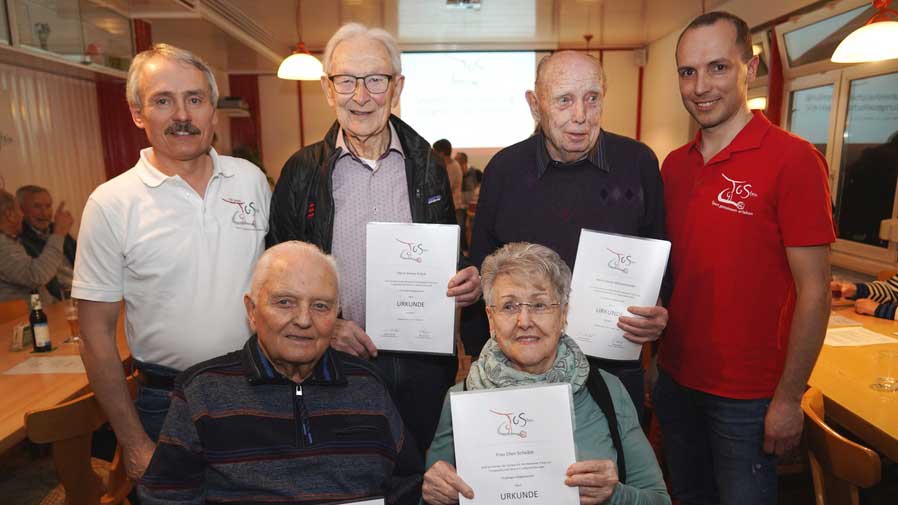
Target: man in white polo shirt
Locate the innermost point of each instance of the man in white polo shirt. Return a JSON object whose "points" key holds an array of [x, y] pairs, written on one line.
{"points": [[176, 237]]}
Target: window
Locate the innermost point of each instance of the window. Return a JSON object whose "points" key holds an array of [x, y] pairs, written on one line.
{"points": [[460, 95], [849, 113], [809, 113], [869, 159], [817, 41]]}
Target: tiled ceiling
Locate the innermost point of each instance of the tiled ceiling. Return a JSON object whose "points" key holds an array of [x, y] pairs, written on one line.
{"points": [[516, 23]]}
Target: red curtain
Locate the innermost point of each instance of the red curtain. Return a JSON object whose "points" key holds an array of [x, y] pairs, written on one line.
{"points": [[122, 140], [143, 35], [246, 132], [775, 83]]}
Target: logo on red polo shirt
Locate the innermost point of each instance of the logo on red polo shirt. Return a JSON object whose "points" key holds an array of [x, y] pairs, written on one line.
{"points": [[734, 196]]}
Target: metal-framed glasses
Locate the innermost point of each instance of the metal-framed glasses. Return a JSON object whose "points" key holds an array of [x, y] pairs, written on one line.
{"points": [[535, 308], [375, 83]]}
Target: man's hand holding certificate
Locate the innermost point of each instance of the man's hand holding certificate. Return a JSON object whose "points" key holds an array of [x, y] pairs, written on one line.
{"points": [[408, 268], [611, 274]]}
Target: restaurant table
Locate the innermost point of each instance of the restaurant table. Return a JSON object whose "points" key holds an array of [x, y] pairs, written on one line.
{"points": [[844, 375], [22, 393]]}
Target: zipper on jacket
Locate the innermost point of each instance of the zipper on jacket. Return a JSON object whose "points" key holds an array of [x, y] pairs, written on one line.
{"points": [[301, 415]]}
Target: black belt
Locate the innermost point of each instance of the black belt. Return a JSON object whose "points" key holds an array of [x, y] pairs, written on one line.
{"points": [[151, 379]]}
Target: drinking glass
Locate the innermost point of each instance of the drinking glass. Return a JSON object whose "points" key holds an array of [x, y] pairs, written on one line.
{"points": [[71, 316], [886, 371]]}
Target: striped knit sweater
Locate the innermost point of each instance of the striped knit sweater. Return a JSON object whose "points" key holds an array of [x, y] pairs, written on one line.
{"points": [[239, 432], [885, 292]]}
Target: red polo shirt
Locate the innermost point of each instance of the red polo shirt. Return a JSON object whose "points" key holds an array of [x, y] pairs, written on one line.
{"points": [[729, 222]]}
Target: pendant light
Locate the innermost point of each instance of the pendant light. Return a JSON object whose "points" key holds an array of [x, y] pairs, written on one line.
{"points": [[877, 40], [301, 65]]}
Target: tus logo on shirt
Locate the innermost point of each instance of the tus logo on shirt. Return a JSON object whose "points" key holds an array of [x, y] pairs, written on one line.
{"points": [[245, 217], [734, 196]]}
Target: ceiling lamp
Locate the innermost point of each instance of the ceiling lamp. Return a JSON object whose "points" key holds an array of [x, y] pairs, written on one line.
{"points": [[877, 40], [301, 65], [757, 103]]}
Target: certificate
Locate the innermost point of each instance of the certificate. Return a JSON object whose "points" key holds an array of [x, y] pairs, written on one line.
{"points": [[514, 445], [612, 272], [408, 267]]}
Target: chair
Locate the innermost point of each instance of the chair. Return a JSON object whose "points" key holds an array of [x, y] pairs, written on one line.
{"points": [[838, 465], [884, 275], [69, 427], [12, 309]]}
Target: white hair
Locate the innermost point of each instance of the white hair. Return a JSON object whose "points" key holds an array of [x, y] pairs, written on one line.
{"points": [[183, 56], [352, 30], [260, 272]]}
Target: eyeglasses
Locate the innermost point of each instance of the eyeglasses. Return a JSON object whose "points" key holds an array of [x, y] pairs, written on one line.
{"points": [[536, 308], [375, 83]]}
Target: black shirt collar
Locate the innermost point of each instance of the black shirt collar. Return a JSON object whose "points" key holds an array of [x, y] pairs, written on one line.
{"points": [[596, 155]]}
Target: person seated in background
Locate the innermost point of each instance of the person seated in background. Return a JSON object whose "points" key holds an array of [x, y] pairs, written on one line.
{"points": [[37, 227], [286, 419], [526, 289], [21, 273], [876, 298]]}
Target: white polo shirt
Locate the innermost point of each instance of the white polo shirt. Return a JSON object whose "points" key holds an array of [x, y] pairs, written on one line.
{"points": [[181, 262]]}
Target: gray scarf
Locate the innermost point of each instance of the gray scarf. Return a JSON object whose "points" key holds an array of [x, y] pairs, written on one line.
{"points": [[493, 369]]}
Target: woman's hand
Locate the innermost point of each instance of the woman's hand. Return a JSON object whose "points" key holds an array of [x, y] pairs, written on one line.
{"points": [[866, 306], [442, 485], [596, 479]]}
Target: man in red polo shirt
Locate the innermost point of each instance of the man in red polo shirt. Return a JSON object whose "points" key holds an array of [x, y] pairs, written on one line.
{"points": [[749, 217]]}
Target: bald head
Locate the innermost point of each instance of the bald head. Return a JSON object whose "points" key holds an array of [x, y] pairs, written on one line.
{"points": [[564, 61], [567, 104], [292, 256]]}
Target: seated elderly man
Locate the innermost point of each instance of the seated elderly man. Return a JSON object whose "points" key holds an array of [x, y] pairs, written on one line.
{"points": [[287, 419], [20, 273], [37, 228], [526, 289]]}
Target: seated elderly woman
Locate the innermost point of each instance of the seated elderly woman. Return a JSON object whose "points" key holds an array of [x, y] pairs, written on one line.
{"points": [[286, 419], [526, 289]]}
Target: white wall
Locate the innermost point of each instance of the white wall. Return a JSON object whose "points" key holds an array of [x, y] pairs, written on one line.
{"points": [[280, 122], [621, 98], [317, 115], [665, 123], [50, 131]]}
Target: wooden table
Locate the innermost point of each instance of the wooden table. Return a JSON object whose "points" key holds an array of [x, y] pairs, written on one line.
{"points": [[21, 393], [844, 374]]}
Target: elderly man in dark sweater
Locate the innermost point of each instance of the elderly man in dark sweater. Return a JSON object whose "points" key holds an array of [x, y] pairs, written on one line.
{"points": [[286, 419], [570, 175]]}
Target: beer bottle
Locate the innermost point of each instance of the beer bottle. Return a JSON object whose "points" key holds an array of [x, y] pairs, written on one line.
{"points": [[39, 326]]}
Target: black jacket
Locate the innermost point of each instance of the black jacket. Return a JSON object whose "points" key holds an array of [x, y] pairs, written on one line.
{"points": [[302, 206]]}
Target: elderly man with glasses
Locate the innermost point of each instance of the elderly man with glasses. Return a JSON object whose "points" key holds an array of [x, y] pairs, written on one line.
{"points": [[370, 166]]}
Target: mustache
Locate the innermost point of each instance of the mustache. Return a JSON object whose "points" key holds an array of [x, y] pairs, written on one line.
{"points": [[182, 127]]}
